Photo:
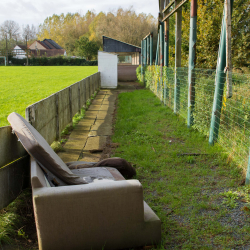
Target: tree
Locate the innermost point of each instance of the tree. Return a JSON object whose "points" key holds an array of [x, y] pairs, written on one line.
{"points": [[86, 48], [10, 29], [29, 31]]}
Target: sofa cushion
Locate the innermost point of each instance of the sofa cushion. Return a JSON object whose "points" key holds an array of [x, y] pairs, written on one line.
{"points": [[41, 151]]}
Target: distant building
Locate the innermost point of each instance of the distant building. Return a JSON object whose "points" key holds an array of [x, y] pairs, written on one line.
{"points": [[47, 48], [127, 53], [19, 51], [128, 57]]}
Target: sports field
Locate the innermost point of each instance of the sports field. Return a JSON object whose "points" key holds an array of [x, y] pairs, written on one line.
{"points": [[23, 86]]}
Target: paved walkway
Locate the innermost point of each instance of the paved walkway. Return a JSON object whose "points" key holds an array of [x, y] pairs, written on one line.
{"points": [[88, 139]]}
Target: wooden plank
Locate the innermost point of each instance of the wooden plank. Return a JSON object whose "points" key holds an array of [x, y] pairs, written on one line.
{"points": [[13, 179], [10, 148]]}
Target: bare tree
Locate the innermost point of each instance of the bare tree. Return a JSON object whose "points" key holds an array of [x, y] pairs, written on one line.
{"points": [[29, 31], [10, 29]]}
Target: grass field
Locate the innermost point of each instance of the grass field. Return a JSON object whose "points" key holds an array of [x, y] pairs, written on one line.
{"points": [[23, 86]]}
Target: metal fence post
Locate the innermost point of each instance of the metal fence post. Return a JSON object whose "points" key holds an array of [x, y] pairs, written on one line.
{"points": [[157, 51], [142, 60], [148, 50], [151, 48], [219, 83], [177, 57], [192, 61]]}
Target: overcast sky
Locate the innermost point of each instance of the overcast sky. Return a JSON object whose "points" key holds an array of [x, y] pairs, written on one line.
{"points": [[35, 11]]}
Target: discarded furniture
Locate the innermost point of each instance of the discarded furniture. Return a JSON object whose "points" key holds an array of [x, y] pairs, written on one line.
{"points": [[93, 208]]}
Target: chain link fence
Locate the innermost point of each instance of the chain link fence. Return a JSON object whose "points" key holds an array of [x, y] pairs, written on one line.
{"points": [[172, 88]]}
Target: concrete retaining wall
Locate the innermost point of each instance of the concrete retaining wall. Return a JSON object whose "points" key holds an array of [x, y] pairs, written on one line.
{"points": [[49, 116]]}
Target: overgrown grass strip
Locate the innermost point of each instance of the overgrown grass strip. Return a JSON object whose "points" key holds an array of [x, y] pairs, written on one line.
{"points": [[197, 197]]}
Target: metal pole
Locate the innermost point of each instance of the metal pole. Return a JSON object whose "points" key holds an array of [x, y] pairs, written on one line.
{"points": [[166, 54], [177, 56], [27, 63], [142, 60], [157, 51], [219, 83], [7, 58], [161, 55], [148, 50], [151, 48], [192, 61], [228, 49]]}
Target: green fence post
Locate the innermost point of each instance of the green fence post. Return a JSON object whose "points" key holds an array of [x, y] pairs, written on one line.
{"points": [[161, 56], [142, 60], [145, 52], [151, 48], [148, 50], [157, 52], [192, 61], [177, 56], [247, 182], [219, 83]]}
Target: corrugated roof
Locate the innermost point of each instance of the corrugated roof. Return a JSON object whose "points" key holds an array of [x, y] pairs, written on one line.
{"points": [[121, 42], [52, 44]]}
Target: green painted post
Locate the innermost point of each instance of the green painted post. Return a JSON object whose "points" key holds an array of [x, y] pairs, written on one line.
{"points": [[151, 48], [142, 60], [145, 52], [192, 61], [178, 22], [157, 52], [148, 50], [219, 83], [161, 56], [247, 182]]}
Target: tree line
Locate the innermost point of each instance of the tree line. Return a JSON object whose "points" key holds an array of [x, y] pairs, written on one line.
{"points": [[81, 35]]}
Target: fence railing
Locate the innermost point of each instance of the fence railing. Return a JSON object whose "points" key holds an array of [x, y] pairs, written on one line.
{"points": [[234, 130], [49, 116]]}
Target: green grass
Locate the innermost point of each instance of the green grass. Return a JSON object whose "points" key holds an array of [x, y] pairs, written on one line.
{"points": [[198, 198], [23, 86], [17, 225]]}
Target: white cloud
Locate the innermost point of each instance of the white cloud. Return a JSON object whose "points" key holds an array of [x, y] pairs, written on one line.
{"points": [[35, 12]]}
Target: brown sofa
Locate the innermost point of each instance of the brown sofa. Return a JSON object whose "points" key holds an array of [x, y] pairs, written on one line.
{"points": [[92, 208]]}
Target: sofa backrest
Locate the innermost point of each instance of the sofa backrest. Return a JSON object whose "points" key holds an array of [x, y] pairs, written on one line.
{"points": [[41, 151]]}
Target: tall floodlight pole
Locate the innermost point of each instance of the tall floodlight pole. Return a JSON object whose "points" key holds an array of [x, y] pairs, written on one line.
{"points": [[192, 61], [178, 21], [219, 82]]}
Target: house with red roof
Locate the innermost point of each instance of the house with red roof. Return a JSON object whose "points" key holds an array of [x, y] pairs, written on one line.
{"points": [[47, 48]]}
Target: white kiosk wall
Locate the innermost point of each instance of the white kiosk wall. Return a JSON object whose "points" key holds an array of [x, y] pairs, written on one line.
{"points": [[108, 66]]}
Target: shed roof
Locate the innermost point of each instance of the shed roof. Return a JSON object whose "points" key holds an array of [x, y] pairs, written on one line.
{"points": [[113, 45]]}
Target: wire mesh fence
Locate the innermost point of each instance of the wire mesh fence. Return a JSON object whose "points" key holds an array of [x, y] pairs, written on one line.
{"points": [[172, 88]]}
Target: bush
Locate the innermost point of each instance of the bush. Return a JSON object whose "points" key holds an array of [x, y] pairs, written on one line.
{"points": [[51, 61]]}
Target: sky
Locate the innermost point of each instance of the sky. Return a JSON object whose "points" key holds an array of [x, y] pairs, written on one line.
{"points": [[35, 11]]}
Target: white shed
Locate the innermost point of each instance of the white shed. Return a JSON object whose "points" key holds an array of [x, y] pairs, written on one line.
{"points": [[107, 66]]}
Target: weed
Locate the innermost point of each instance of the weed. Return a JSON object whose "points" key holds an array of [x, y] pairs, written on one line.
{"points": [[230, 198]]}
